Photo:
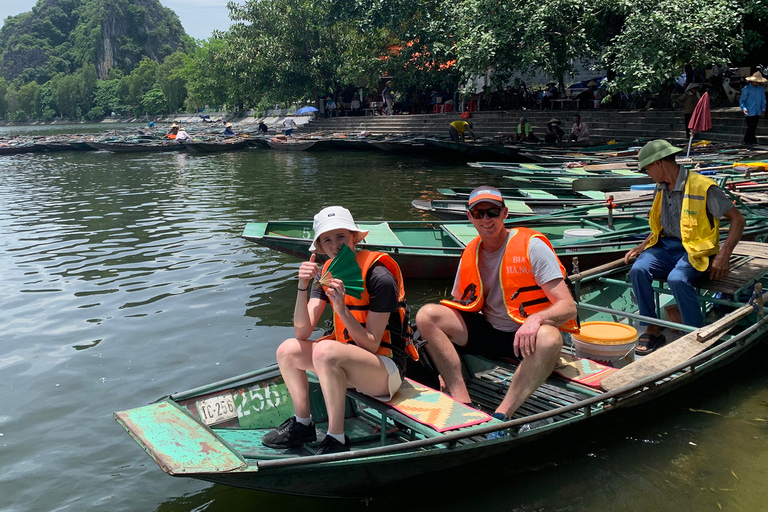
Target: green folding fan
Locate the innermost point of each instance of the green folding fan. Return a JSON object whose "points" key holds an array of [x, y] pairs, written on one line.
{"points": [[344, 266]]}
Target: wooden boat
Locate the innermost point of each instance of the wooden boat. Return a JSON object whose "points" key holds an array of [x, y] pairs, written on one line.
{"points": [[19, 148], [136, 147], [545, 203], [217, 146], [426, 249], [478, 149], [213, 432], [290, 145]]}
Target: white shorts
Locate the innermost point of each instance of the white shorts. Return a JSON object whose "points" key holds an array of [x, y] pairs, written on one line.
{"points": [[394, 381]]}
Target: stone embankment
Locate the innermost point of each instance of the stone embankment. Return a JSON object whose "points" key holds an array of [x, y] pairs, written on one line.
{"points": [[727, 124]]}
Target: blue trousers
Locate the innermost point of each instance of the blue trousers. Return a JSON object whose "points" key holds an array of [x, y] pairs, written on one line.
{"points": [[667, 259]]}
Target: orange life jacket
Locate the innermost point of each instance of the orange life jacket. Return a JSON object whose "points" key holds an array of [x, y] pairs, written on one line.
{"points": [[359, 308], [522, 295]]}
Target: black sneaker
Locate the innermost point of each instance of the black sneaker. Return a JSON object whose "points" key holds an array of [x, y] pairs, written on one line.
{"points": [[331, 445], [290, 434]]}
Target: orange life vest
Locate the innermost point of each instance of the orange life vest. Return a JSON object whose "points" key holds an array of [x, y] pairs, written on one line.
{"points": [[522, 295], [359, 308]]}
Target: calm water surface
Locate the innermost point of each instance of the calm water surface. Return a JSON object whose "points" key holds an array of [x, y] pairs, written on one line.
{"points": [[125, 279]]}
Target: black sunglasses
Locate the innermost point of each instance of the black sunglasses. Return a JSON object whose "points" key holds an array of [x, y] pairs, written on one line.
{"points": [[491, 212]]}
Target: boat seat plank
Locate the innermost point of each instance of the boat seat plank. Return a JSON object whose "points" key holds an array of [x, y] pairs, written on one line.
{"points": [[537, 194], [176, 441], [380, 234], [606, 167], [464, 233], [748, 265]]}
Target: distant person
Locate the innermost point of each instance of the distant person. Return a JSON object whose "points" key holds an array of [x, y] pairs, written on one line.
{"points": [[550, 93], [684, 242], [182, 136], [458, 128], [365, 349], [554, 133], [525, 131], [151, 124], [752, 103], [173, 131], [262, 128], [228, 130], [388, 97], [355, 106], [330, 107], [288, 125], [579, 131]]}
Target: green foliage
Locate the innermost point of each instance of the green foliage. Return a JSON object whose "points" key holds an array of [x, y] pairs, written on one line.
{"points": [[153, 102], [61, 36], [3, 103], [26, 98], [171, 79], [660, 36]]}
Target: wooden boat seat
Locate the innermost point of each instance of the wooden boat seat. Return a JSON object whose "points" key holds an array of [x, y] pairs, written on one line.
{"points": [[380, 234], [464, 233], [748, 265]]}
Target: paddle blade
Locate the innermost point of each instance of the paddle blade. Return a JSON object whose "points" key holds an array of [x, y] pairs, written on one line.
{"points": [[345, 267]]}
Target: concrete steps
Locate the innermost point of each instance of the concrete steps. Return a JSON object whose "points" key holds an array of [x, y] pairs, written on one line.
{"points": [[727, 124]]}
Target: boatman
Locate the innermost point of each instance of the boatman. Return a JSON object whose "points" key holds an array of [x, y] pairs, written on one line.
{"points": [[684, 241], [457, 129], [510, 300]]}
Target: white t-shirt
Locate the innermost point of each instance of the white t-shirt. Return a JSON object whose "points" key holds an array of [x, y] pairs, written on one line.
{"points": [[545, 266], [288, 122], [581, 131], [182, 136]]}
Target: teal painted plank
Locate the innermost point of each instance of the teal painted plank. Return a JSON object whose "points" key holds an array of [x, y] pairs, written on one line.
{"points": [[177, 442]]}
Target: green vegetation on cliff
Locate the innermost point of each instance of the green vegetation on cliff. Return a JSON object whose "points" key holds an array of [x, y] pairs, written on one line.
{"points": [[61, 36]]}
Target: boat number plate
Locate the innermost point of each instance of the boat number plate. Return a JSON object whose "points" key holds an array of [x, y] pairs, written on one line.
{"points": [[217, 409]]}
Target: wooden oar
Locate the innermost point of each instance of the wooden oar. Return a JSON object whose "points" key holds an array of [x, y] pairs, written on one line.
{"points": [[597, 270], [678, 351]]}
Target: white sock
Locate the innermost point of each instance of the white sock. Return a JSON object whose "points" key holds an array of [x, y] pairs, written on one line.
{"points": [[339, 437], [304, 421]]}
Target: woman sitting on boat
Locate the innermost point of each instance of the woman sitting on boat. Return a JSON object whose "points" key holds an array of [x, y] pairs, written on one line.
{"points": [[364, 351]]}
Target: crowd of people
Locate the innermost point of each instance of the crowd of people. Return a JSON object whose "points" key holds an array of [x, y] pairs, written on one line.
{"points": [[509, 300]]}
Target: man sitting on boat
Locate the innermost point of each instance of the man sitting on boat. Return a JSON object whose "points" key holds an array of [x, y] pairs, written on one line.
{"points": [[525, 131], [579, 130], [554, 133], [182, 136], [365, 350], [684, 239], [510, 300], [228, 130], [458, 128]]}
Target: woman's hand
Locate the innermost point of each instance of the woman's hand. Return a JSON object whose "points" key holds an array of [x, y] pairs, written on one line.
{"points": [[336, 292], [308, 271]]}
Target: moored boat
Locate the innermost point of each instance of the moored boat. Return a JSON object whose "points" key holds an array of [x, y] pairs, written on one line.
{"points": [[136, 147], [291, 145], [217, 146], [426, 249], [213, 432]]}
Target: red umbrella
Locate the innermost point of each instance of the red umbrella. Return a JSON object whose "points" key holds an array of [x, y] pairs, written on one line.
{"points": [[701, 120]]}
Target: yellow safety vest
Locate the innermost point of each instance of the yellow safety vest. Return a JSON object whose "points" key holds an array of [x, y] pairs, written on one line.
{"points": [[700, 238]]}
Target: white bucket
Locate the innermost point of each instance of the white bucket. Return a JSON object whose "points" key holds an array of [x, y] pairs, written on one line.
{"points": [[580, 233], [608, 343]]}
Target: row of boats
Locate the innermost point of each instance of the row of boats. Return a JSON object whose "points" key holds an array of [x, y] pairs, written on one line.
{"points": [[214, 432]]}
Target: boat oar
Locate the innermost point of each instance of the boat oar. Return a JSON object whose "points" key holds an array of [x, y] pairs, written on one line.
{"points": [[579, 276]]}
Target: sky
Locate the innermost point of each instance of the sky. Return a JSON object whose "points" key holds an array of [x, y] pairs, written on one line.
{"points": [[198, 17]]}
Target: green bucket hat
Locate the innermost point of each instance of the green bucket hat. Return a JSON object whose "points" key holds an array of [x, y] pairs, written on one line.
{"points": [[655, 150]]}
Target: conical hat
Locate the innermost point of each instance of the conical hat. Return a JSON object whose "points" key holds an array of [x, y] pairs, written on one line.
{"points": [[757, 77]]}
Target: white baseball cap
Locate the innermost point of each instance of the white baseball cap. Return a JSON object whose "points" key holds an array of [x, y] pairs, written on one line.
{"points": [[334, 217]]}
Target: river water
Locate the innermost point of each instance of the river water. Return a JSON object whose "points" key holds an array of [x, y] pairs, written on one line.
{"points": [[124, 279]]}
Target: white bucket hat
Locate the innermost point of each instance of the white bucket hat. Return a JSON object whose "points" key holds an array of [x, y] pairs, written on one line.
{"points": [[334, 217]]}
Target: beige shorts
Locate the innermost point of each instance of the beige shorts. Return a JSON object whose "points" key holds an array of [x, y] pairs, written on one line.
{"points": [[394, 381]]}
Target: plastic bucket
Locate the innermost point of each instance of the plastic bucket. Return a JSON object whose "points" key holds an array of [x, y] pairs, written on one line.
{"points": [[580, 233], [608, 343]]}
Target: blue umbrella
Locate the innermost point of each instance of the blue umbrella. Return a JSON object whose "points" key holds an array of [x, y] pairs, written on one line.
{"points": [[306, 110]]}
